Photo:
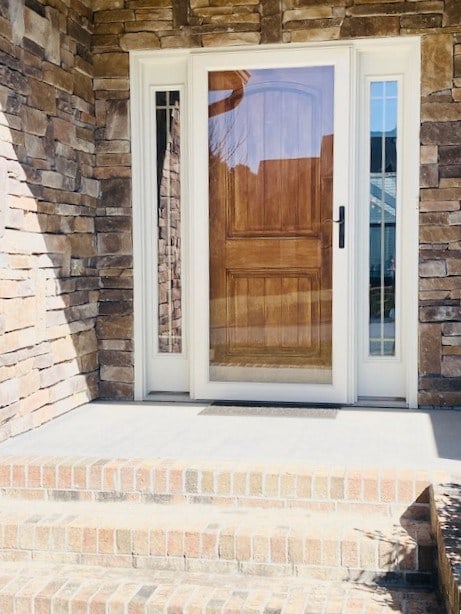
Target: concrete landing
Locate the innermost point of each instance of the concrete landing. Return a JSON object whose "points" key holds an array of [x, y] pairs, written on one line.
{"points": [[418, 439]]}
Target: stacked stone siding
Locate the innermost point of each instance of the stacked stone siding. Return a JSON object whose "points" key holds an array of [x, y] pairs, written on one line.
{"points": [[161, 24], [65, 179], [48, 196]]}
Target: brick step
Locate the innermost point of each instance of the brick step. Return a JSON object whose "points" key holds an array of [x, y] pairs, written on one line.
{"points": [[287, 542], [368, 491], [40, 587]]}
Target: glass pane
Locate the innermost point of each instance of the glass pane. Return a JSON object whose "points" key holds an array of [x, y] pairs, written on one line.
{"points": [[169, 222], [270, 195], [383, 189]]}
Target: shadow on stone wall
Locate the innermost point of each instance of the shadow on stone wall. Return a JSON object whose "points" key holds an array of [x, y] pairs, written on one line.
{"points": [[49, 285]]}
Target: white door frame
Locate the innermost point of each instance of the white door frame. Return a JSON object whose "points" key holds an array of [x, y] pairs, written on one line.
{"points": [[144, 72]]}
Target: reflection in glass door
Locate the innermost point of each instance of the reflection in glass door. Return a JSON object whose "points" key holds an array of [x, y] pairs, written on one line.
{"points": [[383, 200], [270, 137]]}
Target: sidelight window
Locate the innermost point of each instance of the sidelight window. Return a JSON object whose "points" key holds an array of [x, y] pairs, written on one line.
{"points": [[167, 109], [382, 211]]}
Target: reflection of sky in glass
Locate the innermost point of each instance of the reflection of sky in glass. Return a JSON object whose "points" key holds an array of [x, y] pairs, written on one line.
{"points": [[284, 113], [384, 106]]}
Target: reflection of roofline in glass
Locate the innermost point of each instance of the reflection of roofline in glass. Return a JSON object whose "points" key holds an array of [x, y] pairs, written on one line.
{"points": [[380, 134], [382, 196]]}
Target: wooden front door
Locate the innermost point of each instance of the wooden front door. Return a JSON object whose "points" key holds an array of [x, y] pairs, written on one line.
{"points": [[270, 232]]}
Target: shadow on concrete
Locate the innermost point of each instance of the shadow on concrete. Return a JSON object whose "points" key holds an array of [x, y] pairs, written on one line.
{"points": [[446, 426]]}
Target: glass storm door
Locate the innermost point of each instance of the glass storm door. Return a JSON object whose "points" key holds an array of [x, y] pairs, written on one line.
{"points": [[273, 247]]}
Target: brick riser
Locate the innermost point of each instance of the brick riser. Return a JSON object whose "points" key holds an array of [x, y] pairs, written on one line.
{"points": [[223, 550], [327, 489]]}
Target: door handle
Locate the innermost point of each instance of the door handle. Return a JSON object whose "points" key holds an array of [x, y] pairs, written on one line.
{"points": [[342, 223]]}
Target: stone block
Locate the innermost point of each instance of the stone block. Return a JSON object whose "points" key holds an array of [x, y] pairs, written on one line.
{"points": [[435, 205], [439, 399], [271, 29], [102, 5], [178, 41], [82, 245], [83, 86], [116, 374], [42, 96], [36, 27], [53, 42], [231, 39], [58, 373], [9, 392], [117, 308], [454, 266], [451, 341], [433, 268], [450, 175], [139, 40], [451, 328], [63, 131], [357, 27], [441, 313], [29, 383], [437, 63], [117, 120], [114, 243], [452, 15], [454, 217], [429, 154], [116, 358], [118, 15], [117, 390], [60, 78], [435, 111], [437, 234], [441, 133], [113, 224], [62, 349], [450, 155], [34, 121], [19, 313], [429, 349], [451, 366], [85, 342], [420, 22], [116, 192], [88, 362], [429, 176], [110, 65]]}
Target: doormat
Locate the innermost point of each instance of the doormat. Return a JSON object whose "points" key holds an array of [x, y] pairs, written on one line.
{"points": [[270, 410]]}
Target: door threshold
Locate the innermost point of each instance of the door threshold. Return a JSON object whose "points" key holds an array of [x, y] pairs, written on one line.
{"points": [[184, 397], [171, 397], [383, 402]]}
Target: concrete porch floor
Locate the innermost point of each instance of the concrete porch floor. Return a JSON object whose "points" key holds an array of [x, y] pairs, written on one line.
{"points": [[418, 439]]}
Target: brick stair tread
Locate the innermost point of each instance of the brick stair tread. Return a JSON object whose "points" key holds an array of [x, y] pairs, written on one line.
{"points": [[127, 515], [46, 586]]}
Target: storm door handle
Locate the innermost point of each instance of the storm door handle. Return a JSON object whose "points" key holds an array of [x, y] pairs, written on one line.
{"points": [[342, 223]]}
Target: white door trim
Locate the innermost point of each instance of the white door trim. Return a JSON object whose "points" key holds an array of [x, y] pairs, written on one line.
{"points": [[401, 63]]}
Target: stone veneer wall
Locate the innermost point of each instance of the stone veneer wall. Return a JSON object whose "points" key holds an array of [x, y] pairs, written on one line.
{"points": [[48, 196], [121, 25]]}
